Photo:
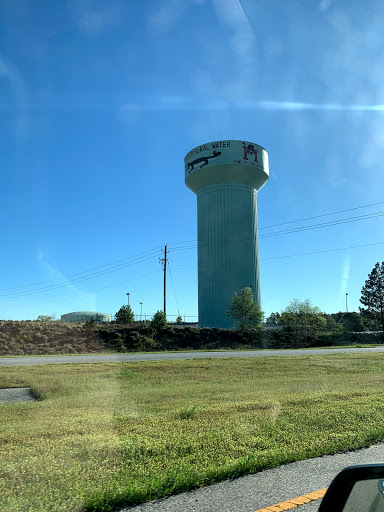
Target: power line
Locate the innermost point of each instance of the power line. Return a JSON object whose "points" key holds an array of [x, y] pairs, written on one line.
{"points": [[147, 255], [325, 224], [82, 293], [189, 267], [73, 282], [293, 221], [322, 215], [154, 251], [293, 255], [321, 252], [282, 232]]}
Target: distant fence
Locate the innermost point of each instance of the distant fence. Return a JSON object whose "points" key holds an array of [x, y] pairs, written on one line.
{"points": [[186, 319], [170, 318]]}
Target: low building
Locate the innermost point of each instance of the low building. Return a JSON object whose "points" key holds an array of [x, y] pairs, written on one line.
{"points": [[85, 316]]}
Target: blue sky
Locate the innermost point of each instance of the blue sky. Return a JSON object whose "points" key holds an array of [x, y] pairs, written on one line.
{"points": [[100, 102]]}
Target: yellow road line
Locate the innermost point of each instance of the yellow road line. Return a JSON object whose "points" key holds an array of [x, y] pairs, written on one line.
{"points": [[294, 502]]}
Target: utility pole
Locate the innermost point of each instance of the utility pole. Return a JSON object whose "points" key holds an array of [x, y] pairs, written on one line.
{"points": [[128, 298], [346, 307], [163, 261]]}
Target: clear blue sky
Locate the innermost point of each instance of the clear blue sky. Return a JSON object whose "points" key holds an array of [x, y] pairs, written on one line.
{"points": [[99, 103]]}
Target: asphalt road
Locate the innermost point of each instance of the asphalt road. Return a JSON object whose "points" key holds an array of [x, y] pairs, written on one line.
{"points": [[267, 488], [166, 356]]}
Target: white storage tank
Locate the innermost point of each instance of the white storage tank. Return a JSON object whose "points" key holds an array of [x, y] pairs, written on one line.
{"points": [[86, 316], [226, 176]]}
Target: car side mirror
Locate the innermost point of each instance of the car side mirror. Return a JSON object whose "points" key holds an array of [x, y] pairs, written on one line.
{"points": [[356, 489]]}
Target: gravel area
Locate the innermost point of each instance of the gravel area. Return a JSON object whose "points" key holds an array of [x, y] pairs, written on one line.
{"points": [[16, 395]]}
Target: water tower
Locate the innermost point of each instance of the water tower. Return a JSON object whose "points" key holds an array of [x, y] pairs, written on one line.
{"points": [[226, 176]]}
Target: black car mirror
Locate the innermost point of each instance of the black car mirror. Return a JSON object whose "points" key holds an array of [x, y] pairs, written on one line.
{"points": [[356, 489]]}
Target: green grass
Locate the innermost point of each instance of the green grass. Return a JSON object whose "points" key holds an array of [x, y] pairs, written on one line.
{"points": [[105, 435]]}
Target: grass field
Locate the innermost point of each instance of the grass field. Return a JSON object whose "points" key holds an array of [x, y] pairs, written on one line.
{"points": [[104, 435]]}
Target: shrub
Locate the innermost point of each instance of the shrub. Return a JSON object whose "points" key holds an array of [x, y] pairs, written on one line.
{"points": [[186, 413]]}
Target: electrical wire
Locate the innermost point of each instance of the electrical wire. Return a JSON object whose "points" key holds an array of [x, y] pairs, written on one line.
{"points": [[82, 293], [293, 255], [292, 221], [277, 233], [122, 261], [96, 272], [145, 253], [73, 282], [322, 215], [321, 252], [190, 267]]}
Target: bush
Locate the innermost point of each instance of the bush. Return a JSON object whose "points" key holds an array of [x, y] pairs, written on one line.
{"points": [[186, 413]]}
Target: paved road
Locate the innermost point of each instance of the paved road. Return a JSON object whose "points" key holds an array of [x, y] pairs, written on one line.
{"points": [[267, 488], [162, 356]]}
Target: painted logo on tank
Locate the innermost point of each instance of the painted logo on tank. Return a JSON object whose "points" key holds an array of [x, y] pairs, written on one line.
{"points": [[224, 152], [249, 150], [203, 160]]}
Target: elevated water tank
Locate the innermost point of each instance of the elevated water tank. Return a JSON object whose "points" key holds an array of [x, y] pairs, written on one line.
{"points": [[226, 176]]}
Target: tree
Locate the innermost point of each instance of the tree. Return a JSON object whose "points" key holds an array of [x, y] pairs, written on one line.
{"points": [[369, 321], [302, 320], [372, 295], [179, 320], [124, 315], [159, 320], [245, 311], [273, 319], [353, 322], [332, 327]]}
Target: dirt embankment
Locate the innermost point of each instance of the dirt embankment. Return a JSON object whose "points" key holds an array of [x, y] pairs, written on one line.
{"points": [[44, 338]]}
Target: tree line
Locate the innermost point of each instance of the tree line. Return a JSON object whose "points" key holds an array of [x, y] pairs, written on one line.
{"points": [[300, 319], [303, 320]]}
